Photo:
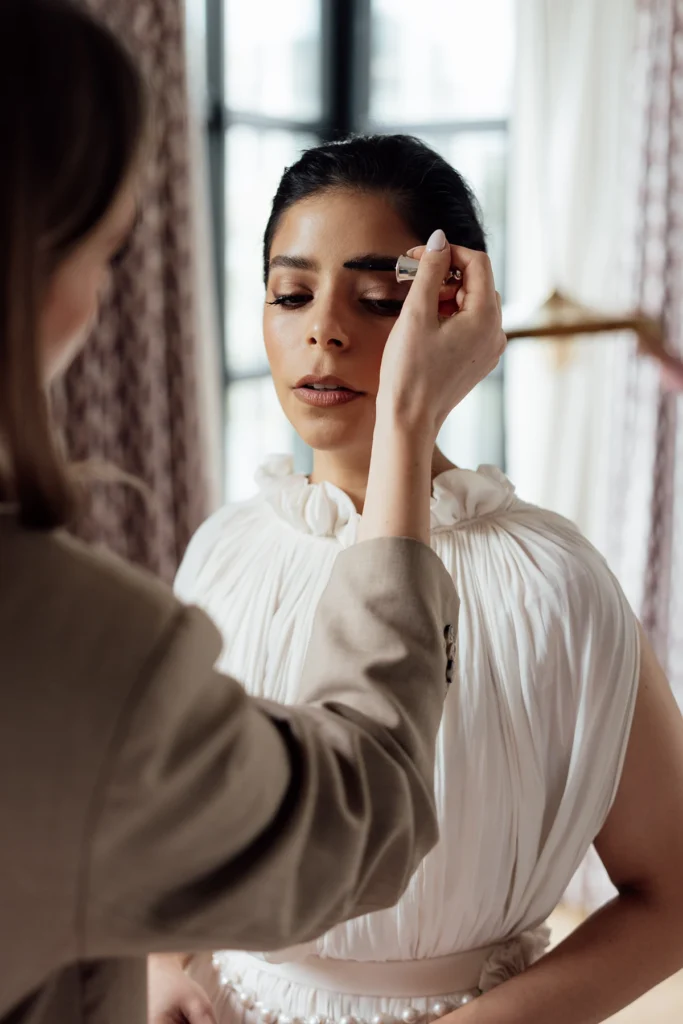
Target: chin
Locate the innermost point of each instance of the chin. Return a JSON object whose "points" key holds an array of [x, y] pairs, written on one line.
{"points": [[323, 439], [329, 431]]}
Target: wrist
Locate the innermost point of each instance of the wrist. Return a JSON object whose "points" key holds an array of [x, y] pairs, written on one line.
{"points": [[397, 501], [412, 430]]}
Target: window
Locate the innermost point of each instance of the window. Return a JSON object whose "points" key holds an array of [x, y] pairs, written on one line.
{"points": [[283, 77]]}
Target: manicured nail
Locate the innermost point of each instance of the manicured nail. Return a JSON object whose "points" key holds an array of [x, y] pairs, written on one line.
{"points": [[437, 241]]}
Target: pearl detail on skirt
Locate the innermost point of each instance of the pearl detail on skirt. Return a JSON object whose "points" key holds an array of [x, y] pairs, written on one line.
{"points": [[411, 1015]]}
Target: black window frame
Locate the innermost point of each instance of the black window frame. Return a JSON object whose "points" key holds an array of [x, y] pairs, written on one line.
{"points": [[345, 90]]}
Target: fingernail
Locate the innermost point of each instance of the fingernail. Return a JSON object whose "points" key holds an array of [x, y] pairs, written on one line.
{"points": [[437, 241]]}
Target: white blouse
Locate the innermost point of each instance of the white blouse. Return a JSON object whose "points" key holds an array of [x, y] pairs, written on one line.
{"points": [[535, 724]]}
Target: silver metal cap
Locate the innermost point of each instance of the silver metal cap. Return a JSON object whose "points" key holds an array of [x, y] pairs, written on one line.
{"points": [[406, 269]]}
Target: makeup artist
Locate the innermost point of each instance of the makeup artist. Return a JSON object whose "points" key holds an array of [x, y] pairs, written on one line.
{"points": [[147, 803]]}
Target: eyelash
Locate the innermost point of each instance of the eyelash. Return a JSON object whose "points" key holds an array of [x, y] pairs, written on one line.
{"points": [[382, 307]]}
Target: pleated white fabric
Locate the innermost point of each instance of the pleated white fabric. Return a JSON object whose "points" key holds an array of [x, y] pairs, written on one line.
{"points": [[535, 724]]}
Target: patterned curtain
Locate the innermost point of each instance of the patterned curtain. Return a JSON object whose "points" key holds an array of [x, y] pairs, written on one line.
{"points": [[648, 486], [132, 400]]}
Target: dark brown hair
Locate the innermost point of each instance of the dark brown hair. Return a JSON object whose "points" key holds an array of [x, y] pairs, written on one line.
{"points": [[72, 116], [426, 191]]}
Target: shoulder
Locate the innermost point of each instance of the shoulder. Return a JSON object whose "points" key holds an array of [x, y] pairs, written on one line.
{"points": [[83, 603], [548, 552], [81, 567], [566, 560], [84, 640], [579, 616], [531, 568], [83, 637], [478, 522]]}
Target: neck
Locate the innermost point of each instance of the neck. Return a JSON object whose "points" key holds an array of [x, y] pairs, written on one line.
{"points": [[348, 470]]}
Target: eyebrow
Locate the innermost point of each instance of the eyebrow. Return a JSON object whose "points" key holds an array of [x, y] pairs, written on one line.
{"points": [[293, 263], [368, 261], [372, 261]]}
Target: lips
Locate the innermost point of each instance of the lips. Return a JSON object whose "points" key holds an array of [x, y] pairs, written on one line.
{"points": [[325, 392], [324, 383]]}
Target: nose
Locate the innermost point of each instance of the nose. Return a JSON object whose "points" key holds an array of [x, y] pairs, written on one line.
{"points": [[326, 328]]}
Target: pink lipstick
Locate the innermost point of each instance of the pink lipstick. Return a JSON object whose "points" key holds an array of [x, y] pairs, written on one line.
{"points": [[325, 392]]}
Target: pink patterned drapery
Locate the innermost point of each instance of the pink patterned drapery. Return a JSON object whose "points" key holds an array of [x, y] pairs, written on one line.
{"points": [[648, 485], [132, 399]]}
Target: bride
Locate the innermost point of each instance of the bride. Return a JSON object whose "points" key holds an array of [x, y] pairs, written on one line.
{"points": [[559, 728]]}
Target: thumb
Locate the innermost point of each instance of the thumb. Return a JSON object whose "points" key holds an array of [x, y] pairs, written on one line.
{"points": [[435, 263]]}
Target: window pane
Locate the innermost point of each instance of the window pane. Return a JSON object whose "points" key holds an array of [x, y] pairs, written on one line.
{"points": [[255, 160], [481, 158], [272, 58], [256, 427], [472, 435], [441, 60]]}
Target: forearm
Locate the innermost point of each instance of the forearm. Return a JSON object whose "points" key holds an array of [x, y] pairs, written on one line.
{"points": [[397, 501], [622, 951]]}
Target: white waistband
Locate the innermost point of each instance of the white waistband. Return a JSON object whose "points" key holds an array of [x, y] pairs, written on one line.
{"points": [[399, 979]]}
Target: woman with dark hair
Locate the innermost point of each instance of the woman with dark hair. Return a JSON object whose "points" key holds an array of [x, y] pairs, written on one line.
{"points": [[146, 801], [559, 726]]}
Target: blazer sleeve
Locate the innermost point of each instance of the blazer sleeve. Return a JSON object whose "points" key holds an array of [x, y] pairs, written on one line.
{"points": [[223, 821]]}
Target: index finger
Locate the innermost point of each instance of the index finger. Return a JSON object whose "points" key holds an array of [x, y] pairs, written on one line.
{"points": [[477, 275]]}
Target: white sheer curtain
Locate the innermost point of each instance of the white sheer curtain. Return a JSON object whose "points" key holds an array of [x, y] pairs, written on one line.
{"points": [[208, 349], [567, 231], [569, 205]]}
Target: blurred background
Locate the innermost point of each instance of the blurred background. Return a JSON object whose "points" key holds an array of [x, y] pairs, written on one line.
{"points": [[566, 118]]}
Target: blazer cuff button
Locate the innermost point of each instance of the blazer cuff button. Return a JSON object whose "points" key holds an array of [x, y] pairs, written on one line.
{"points": [[449, 638]]}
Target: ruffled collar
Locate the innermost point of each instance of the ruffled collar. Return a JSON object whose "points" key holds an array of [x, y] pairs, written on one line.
{"points": [[323, 510]]}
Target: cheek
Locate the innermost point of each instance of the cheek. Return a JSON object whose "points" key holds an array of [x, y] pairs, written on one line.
{"points": [[369, 352], [70, 309], [378, 340], [281, 336]]}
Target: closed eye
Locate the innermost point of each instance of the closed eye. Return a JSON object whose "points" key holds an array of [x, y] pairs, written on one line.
{"points": [[290, 301], [384, 307], [380, 307]]}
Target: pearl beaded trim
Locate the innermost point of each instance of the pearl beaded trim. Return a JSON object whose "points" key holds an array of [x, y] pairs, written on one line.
{"points": [[411, 1015]]}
